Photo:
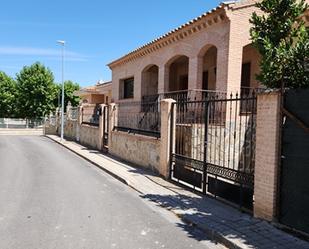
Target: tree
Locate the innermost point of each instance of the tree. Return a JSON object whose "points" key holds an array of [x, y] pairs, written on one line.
{"points": [[7, 96], [282, 39], [36, 91], [69, 88]]}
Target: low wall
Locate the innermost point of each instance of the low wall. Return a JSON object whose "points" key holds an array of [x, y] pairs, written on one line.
{"points": [[90, 136], [51, 130], [51, 127], [140, 150], [70, 129]]}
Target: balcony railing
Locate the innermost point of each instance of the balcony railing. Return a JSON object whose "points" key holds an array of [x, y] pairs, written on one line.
{"points": [[185, 95]]}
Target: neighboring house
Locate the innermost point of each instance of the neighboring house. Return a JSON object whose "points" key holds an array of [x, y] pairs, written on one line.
{"points": [[101, 93], [212, 52]]}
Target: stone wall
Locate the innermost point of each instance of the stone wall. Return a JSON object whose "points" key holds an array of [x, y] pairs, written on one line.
{"points": [[70, 129], [53, 127], [230, 145], [140, 150], [90, 136]]}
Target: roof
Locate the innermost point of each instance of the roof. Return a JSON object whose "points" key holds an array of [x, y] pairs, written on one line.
{"points": [[150, 47]]}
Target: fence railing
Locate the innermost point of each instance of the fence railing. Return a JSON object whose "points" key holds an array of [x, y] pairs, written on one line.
{"points": [[140, 118], [73, 113], [18, 123], [91, 115]]}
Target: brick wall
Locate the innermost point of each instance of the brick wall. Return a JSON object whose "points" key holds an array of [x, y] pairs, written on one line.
{"points": [[267, 146]]}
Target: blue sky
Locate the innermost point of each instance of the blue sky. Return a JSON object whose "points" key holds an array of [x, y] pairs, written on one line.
{"points": [[96, 31]]}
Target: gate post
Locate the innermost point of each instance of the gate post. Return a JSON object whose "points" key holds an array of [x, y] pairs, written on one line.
{"points": [[101, 126], [168, 124], [79, 122], [266, 157], [113, 120]]}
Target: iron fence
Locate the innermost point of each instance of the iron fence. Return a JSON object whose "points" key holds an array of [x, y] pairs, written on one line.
{"points": [[73, 113], [140, 118], [19, 123], [214, 150], [91, 115]]}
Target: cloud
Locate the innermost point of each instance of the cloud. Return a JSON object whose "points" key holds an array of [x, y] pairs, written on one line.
{"points": [[42, 52]]}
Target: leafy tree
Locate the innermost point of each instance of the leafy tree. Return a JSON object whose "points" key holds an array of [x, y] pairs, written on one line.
{"points": [[69, 88], [36, 91], [7, 96], [282, 39]]}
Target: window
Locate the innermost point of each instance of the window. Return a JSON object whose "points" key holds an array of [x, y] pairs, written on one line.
{"points": [[245, 106], [128, 88], [205, 80], [246, 75]]}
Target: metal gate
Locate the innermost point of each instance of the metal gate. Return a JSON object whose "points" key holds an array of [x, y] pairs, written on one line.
{"points": [[105, 127], [294, 197], [213, 149]]}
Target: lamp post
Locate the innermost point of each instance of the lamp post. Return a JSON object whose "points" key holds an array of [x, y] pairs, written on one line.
{"points": [[62, 43]]}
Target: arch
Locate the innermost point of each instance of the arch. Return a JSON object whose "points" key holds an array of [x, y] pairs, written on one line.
{"points": [[177, 69], [208, 55], [204, 49], [150, 80], [250, 68], [149, 67]]}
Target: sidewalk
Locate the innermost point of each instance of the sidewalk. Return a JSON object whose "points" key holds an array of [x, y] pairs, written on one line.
{"points": [[21, 132], [220, 222]]}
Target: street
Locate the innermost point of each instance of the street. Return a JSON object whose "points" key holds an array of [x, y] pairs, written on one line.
{"points": [[51, 198]]}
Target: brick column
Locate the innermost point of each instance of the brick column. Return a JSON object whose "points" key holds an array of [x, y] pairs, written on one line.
{"points": [[195, 73], [79, 122], [266, 162], [113, 120], [138, 87], [163, 79], [101, 126], [166, 129]]}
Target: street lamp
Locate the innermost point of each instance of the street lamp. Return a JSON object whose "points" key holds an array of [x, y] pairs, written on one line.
{"points": [[62, 43]]}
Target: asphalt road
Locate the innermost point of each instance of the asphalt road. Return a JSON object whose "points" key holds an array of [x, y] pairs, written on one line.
{"points": [[51, 198]]}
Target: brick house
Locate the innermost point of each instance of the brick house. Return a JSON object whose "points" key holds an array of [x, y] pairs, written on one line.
{"points": [[212, 52]]}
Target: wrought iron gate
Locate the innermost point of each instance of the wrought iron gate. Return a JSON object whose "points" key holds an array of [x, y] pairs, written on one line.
{"points": [[105, 127], [294, 196], [213, 149]]}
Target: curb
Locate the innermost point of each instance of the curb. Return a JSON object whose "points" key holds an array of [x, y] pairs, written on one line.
{"points": [[211, 233]]}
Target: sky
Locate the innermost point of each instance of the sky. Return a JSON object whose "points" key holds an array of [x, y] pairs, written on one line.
{"points": [[96, 32]]}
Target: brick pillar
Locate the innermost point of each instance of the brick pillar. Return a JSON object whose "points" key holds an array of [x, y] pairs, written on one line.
{"points": [[163, 79], [79, 122], [195, 72], [166, 129], [222, 68], [101, 126], [266, 162], [138, 87], [113, 120]]}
